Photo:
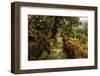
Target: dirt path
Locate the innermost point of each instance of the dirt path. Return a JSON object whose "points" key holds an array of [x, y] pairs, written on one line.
{"points": [[60, 54]]}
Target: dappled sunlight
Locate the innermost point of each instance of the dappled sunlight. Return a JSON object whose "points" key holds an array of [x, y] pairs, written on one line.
{"points": [[57, 37]]}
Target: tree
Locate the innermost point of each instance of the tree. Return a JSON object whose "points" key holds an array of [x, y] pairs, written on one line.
{"points": [[68, 26], [42, 29]]}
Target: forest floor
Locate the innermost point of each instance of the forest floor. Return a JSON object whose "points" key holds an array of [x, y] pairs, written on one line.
{"points": [[58, 53]]}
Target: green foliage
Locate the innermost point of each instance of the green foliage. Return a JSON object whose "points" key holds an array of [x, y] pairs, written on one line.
{"points": [[44, 31]]}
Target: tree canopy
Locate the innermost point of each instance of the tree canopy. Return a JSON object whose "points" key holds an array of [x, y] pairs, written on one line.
{"points": [[43, 32]]}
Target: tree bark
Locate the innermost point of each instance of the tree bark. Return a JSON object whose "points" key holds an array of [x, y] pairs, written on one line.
{"points": [[55, 28]]}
